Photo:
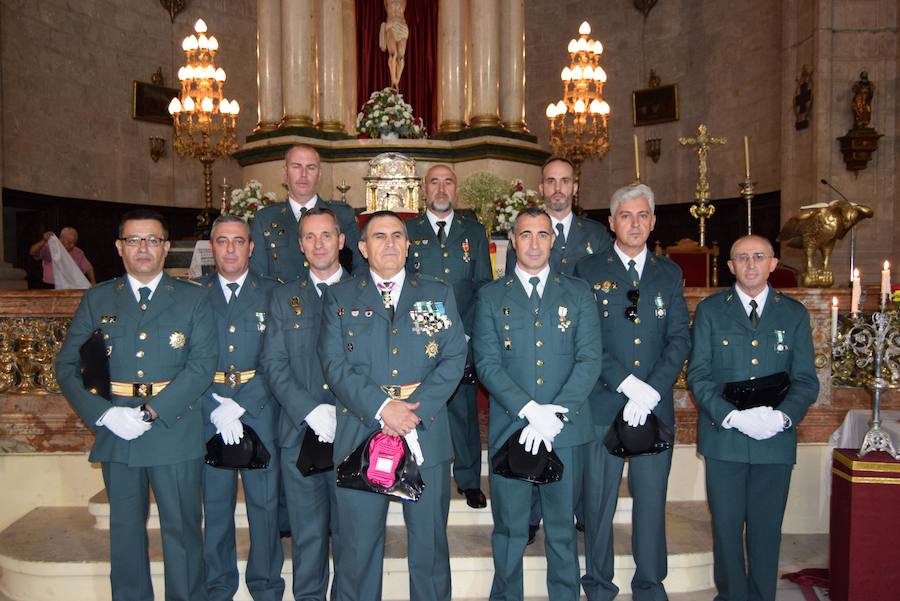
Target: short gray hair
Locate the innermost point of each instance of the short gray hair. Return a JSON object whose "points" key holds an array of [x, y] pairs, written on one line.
{"points": [[221, 219], [632, 192], [364, 234]]}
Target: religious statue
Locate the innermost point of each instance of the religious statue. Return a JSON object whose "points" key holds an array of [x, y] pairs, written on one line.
{"points": [[803, 98], [392, 38], [863, 91], [817, 228]]}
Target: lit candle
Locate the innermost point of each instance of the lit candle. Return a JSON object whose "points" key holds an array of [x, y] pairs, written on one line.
{"points": [[834, 318], [885, 284], [637, 162], [854, 295], [747, 157]]}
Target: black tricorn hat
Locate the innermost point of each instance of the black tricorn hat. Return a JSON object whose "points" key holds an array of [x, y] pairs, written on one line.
{"points": [[248, 454], [315, 456], [653, 437], [513, 461]]}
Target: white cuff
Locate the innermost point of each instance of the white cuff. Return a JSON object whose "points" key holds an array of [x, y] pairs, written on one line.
{"points": [[726, 423]]}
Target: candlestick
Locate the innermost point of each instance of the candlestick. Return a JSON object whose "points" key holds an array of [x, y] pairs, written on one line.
{"points": [[855, 294], [834, 318], [637, 162], [885, 284], [747, 157]]}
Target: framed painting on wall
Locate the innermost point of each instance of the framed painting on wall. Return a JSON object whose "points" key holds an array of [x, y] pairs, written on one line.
{"points": [[655, 105], [150, 102]]}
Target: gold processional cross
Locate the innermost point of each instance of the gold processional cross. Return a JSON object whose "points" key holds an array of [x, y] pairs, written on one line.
{"points": [[702, 209]]}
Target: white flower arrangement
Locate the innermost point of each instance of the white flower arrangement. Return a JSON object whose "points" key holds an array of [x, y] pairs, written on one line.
{"points": [[246, 201], [387, 113], [509, 205]]}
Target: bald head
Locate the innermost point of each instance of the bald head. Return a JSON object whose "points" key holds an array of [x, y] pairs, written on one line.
{"points": [[440, 190], [753, 238]]}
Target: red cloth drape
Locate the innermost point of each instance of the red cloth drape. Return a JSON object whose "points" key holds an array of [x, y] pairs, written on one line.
{"points": [[418, 83]]}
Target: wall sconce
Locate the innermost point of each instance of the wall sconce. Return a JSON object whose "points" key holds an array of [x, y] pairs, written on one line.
{"points": [[653, 148], [157, 147]]}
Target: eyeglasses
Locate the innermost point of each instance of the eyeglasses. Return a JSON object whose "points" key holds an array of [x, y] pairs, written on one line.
{"points": [[743, 259], [633, 296], [151, 240]]}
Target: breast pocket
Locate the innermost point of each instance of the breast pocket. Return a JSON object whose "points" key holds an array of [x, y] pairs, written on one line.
{"points": [[300, 334], [516, 336], [357, 337], [114, 336], [727, 351], [780, 346]]}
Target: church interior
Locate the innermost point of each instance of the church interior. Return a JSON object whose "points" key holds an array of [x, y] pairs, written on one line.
{"points": [[739, 115]]}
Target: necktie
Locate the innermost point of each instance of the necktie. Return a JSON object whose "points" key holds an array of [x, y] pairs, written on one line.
{"points": [[303, 211], [442, 233], [233, 286], [321, 286], [385, 288], [145, 297], [534, 296], [754, 316], [561, 235], [633, 274]]}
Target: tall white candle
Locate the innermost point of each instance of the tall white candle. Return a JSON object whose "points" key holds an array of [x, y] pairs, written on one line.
{"points": [[834, 318], [747, 157], [885, 283], [637, 161], [855, 293]]}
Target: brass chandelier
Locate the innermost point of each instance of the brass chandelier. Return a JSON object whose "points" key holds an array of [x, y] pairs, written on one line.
{"points": [[205, 121], [578, 122]]}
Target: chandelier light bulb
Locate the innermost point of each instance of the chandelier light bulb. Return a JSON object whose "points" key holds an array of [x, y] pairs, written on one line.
{"points": [[209, 72], [213, 43], [582, 45], [588, 72], [220, 74], [200, 26], [566, 74], [174, 106], [181, 76], [576, 73], [604, 107], [579, 106], [235, 107], [189, 104], [600, 74], [224, 106], [573, 46], [595, 106], [190, 43], [207, 105], [203, 42], [584, 28], [561, 108], [186, 44], [598, 47], [551, 111]]}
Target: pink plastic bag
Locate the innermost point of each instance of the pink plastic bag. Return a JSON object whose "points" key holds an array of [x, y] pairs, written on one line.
{"points": [[385, 455]]}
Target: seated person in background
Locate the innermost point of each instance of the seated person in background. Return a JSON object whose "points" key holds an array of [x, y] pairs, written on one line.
{"points": [[41, 251]]}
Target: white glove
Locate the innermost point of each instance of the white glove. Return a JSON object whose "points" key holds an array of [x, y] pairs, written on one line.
{"points": [[323, 420], [412, 441], [531, 439], [124, 422], [635, 413], [232, 432], [227, 419], [757, 423], [638, 390], [543, 418]]}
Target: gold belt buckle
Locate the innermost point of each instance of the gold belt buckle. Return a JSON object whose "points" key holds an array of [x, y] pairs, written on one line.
{"points": [[232, 378], [142, 389], [391, 391]]}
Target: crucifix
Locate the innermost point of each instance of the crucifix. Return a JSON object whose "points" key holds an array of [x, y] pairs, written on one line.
{"points": [[702, 209]]}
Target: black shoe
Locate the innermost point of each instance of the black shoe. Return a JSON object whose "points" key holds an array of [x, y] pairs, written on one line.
{"points": [[532, 532], [474, 497], [284, 533]]}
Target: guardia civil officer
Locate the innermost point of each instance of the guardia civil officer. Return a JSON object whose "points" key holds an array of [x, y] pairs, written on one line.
{"points": [[453, 248], [749, 331], [640, 301], [161, 341]]}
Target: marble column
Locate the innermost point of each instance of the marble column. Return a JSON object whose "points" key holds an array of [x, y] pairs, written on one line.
{"points": [[512, 65], [484, 62], [298, 62], [268, 64], [331, 65], [351, 103], [451, 65]]}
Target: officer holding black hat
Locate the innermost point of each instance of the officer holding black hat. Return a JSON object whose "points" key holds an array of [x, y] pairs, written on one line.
{"points": [[537, 351], [640, 301]]}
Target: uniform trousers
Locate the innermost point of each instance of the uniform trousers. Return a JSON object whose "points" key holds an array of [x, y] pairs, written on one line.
{"points": [[752, 495], [648, 477], [462, 413], [176, 488], [510, 506], [266, 558], [362, 516]]}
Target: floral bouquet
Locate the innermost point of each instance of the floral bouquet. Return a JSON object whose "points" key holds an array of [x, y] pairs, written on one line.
{"points": [[246, 201], [510, 204], [387, 115]]}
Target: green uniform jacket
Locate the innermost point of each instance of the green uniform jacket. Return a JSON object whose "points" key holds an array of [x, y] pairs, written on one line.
{"points": [[290, 361], [654, 347], [276, 236], [362, 350], [727, 348], [464, 261], [586, 237], [552, 357], [176, 340], [242, 327]]}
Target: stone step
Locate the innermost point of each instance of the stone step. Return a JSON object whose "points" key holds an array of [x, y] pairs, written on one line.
{"points": [[460, 513], [57, 552]]}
